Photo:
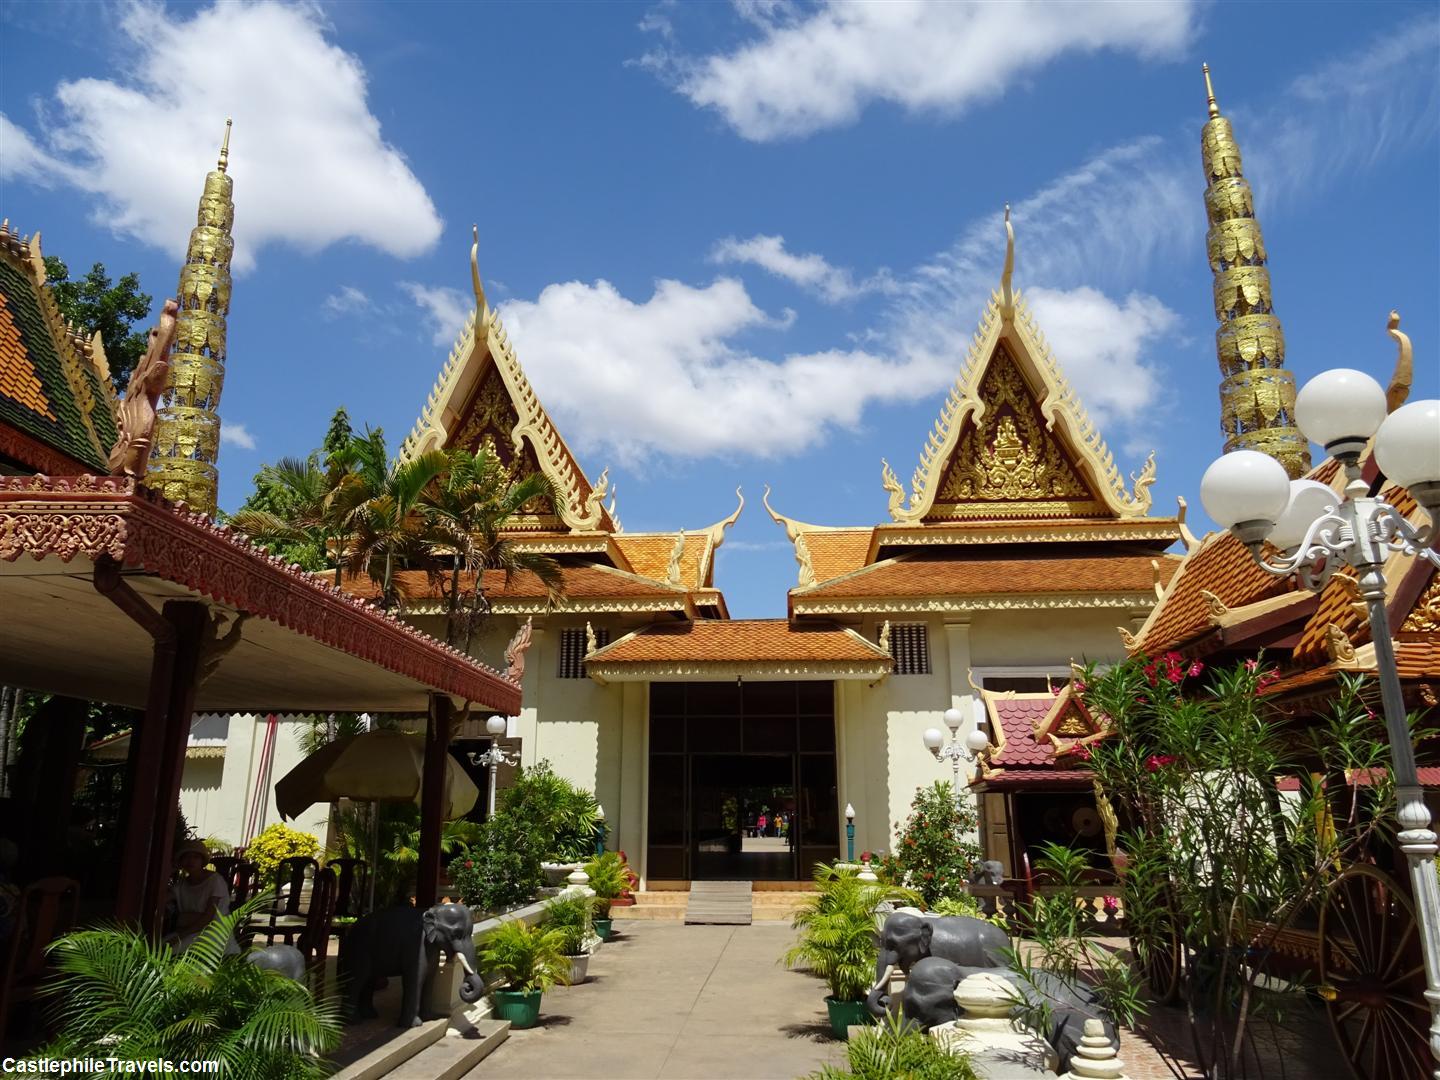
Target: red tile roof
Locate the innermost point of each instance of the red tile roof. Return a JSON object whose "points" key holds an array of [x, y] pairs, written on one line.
{"points": [[1018, 716], [583, 581], [1222, 566], [726, 641]]}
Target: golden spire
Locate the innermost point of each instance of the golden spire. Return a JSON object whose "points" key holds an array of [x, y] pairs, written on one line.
{"points": [[475, 272], [1007, 295], [187, 426], [1257, 394]]}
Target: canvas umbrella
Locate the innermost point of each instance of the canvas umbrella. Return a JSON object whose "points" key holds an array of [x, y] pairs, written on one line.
{"points": [[374, 766]]}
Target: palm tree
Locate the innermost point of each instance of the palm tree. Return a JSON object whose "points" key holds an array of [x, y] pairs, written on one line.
{"points": [[466, 514], [379, 505], [301, 510], [119, 990]]}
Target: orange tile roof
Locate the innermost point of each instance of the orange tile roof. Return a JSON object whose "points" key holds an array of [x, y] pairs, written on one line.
{"points": [[582, 581], [837, 551], [1222, 566], [725, 641], [1336, 601], [976, 574], [18, 380], [649, 555]]}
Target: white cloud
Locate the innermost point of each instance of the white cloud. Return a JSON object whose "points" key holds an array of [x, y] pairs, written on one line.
{"points": [[310, 164], [665, 377], [833, 284], [347, 300], [233, 434], [447, 308], [807, 72]]}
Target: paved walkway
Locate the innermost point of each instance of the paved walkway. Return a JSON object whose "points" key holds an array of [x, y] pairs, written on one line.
{"points": [[673, 1002]]}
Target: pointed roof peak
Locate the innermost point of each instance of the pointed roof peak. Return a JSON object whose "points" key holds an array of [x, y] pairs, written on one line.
{"points": [[1210, 93], [480, 304], [224, 161], [1007, 295]]}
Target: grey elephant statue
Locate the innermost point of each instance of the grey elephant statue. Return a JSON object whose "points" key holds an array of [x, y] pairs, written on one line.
{"points": [[284, 959], [989, 872], [929, 997], [1070, 1007], [407, 942], [907, 939]]}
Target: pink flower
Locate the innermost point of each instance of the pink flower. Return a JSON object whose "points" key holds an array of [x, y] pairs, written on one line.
{"points": [[1196, 668], [1268, 679], [1083, 752], [1156, 762], [1079, 686], [1150, 673], [1112, 903], [1055, 691], [1252, 664]]}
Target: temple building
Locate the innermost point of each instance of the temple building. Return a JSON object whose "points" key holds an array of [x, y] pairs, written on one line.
{"points": [[1019, 549]]}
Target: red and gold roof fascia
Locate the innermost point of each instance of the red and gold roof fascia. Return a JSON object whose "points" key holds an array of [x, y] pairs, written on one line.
{"points": [[91, 517], [1008, 334], [450, 416], [1157, 533]]}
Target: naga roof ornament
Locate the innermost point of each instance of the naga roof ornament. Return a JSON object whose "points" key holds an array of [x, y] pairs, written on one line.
{"points": [[1257, 394], [483, 395], [1013, 441], [187, 425]]}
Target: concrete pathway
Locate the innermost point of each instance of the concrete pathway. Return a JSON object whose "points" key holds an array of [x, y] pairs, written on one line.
{"points": [[674, 1002]]}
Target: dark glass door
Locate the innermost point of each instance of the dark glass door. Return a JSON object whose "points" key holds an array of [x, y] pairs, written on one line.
{"points": [[743, 817]]}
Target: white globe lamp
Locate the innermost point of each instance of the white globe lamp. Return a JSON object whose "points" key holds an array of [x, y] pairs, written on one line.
{"points": [[1340, 409], [977, 741], [934, 739], [953, 719], [496, 726], [1309, 499], [1407, 449], [1245, 491]]}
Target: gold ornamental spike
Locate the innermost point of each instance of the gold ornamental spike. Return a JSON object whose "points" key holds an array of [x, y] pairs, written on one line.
{"points": [[1007, 295], [225, 147], [475, 270], [1210, 92]]}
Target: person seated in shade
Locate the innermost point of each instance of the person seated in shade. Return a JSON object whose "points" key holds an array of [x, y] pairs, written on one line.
{"points": [[198, 896]]}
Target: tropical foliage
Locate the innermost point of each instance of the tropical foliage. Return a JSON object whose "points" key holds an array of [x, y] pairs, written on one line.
{"points": [[525, 957], [501, 867], [1217, 856], [896, 1050], [837, 925], [94, 302], [935, 851], [387, 837], [119, 990], [275, 843], [570, 917], [608, 880], [563, 817]]}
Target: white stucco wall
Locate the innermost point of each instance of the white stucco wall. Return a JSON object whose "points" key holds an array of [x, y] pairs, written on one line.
{"points": [[221, 808]]}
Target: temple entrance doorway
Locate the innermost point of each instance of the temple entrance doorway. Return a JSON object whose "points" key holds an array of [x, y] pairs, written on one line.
{"points": [[742, 781]]}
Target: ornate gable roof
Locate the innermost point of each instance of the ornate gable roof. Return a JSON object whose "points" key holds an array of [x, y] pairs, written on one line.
{"points": [[1013, 441], [483, 396], [57, 408]]}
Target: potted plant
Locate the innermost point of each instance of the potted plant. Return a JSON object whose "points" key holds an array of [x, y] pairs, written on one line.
{"points": [[570, 917], [608, 880], [529, 960], [838, 941]]}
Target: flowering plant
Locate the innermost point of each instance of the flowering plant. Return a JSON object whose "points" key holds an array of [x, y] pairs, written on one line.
{"points": [[936, 849]]}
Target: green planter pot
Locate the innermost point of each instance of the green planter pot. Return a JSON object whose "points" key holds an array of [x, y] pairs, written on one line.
{"points": [[604, 928], [520, 1007], [845, 1014]]}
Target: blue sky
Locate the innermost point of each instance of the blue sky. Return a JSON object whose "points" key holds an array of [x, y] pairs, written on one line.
{"points": [[737, 244]]}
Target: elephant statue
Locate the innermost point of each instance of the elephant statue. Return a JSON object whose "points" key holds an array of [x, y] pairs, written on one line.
{"points": [[989, 872], [929, 997], [407, 942], [906, 939], [284, 959], [1070, 1007]]}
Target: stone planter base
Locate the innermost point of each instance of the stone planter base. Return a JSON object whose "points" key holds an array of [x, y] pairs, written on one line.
{"points": [[579, 968]]}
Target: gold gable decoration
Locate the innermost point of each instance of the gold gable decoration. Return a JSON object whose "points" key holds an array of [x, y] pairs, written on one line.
{"points": [[482, 394], [1050, 449]]}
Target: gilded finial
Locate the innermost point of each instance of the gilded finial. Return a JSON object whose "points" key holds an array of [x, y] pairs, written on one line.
{"points": [[475, 270], [1210, 93], [1400, 380], [1007, 296], [225, 147]]}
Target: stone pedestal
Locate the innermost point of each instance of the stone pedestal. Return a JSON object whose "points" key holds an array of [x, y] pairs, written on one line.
{"points": [[1095, 1059], [999, 1049]]}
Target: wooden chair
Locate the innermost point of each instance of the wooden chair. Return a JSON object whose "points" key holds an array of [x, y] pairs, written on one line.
{"points": [[350, 894], [245, 883], [313, 939], [47, 909], [293, 893]]}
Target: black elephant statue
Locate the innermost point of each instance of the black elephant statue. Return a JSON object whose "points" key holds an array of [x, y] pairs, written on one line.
{"points": [[287, 960], [929, 996], [989, 872], [1070, 1006], [906, 939], [407, 942]]}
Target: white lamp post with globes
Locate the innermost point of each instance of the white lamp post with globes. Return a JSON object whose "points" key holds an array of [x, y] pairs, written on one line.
{"points": [[1251, 495], [493, 758], [955, 750]]}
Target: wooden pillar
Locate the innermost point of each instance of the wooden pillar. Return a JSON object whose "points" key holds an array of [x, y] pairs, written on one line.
{"points": [[438, 729]]}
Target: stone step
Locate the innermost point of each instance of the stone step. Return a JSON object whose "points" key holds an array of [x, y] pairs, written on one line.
{"points": [[387, 1050], [726, 903], [451, 1058]]}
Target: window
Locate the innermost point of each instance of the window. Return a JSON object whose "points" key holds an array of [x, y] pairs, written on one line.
{"points": [[910, 648], [572, 651]]}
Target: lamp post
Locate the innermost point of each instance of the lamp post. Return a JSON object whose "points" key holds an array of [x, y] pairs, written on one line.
{"points": [[1250, 494], [493, 758], [849, 833], [599, 830], [955, 750]]}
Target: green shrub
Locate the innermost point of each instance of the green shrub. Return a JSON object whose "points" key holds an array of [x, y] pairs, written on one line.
{"points": [[502, 868], [133, 997], [570, 916], [607, 879], [526, 957], [896, 1050], [399, 845], [562, 817], [934, 853], [837, 928], [279, 842]]}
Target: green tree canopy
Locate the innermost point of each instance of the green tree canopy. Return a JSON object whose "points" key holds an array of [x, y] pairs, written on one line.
{"points": [[94, 302]]}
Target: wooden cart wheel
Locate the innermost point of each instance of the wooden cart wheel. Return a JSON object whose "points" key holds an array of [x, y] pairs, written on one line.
{"points": [[1159, 963], [1372, 976]]}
